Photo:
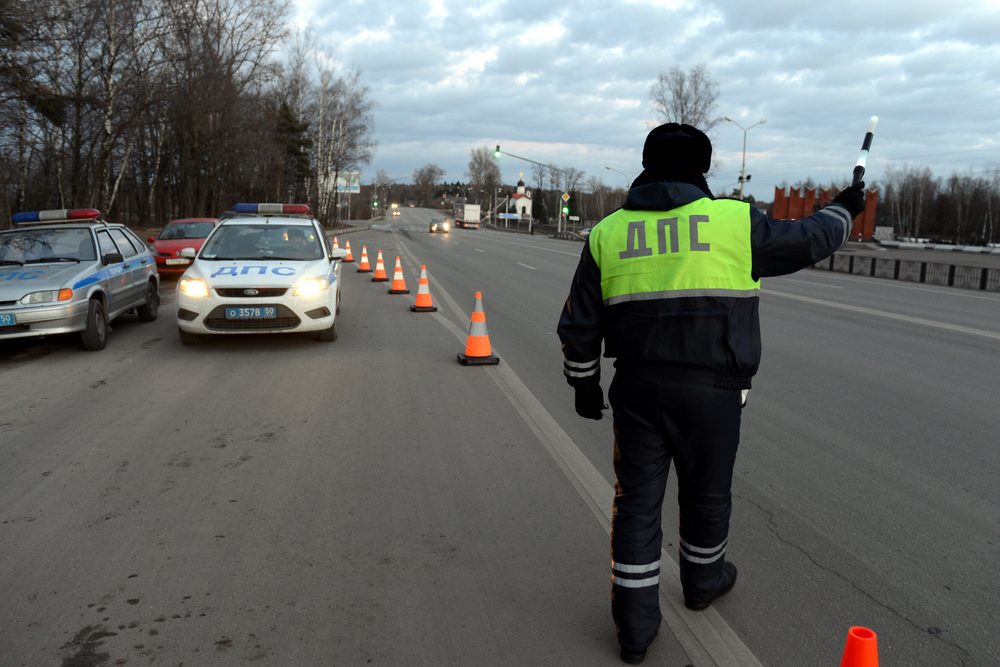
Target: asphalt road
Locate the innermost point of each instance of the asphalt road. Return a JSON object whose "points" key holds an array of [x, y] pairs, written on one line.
{"points": [[277, 500]]}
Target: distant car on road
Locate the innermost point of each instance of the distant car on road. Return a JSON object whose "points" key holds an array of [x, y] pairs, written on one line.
{"points": [[67, 270], [585, 232], [174, 237], [269, 268], [439, 225], [395, 212]]}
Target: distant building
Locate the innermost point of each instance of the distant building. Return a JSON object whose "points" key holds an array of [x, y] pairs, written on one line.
{"points": [[521, 199]]}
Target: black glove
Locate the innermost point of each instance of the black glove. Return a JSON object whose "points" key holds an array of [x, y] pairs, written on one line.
{"points": [[853, 199], [590, 401]]}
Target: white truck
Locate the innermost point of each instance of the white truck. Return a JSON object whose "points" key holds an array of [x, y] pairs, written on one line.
{"points": [[467, 215]]}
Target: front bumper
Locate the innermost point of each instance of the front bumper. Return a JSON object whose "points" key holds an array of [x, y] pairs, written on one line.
{"points": [[177, 266], [206, 315], [46, 319]]}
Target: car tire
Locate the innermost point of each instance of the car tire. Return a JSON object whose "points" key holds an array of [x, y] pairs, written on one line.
{"points": [[95, 336], [147, 312], [328, 335], [188, 338], [338, 302]]}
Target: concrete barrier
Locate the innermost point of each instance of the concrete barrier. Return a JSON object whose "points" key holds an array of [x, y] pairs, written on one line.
{"points": [[915, 271]]}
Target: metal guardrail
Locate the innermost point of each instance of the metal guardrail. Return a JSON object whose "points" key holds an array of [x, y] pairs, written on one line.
{"points": [[917, 271]]}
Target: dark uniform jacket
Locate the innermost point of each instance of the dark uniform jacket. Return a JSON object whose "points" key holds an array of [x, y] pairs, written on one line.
{"points": [[714, 335]]}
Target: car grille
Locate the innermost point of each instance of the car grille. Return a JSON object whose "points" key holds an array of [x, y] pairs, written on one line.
{"points": [[238, 292], [286, 319]]}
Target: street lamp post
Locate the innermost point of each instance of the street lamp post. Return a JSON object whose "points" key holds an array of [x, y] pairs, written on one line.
{"points": [[743, 166], [498, 153], [628, 181]]}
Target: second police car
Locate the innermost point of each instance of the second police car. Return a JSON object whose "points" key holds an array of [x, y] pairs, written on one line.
{"points": [[267, 268], [68, 270]]}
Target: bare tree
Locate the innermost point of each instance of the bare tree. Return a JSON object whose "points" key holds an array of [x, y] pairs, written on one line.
{"points": [[484, 174], [343, 129], [424, 180], [909, 193], [686, 97]]}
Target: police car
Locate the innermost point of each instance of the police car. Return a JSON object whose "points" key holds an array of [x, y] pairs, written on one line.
{"points": [[266, 268], [67, 270]]}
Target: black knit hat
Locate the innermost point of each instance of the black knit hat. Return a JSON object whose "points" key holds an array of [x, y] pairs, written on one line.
{"points": [[677, 148]]}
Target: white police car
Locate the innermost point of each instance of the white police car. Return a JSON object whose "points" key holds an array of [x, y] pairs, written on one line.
{"points": [[266, 268], [67, 270]]}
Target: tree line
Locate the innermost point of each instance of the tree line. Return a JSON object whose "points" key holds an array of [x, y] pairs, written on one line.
{"points": [[155, 109]]}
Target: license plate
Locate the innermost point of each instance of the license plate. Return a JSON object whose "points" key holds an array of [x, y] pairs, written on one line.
{"points": [[174, 262], [251, 313], [7, 320]]}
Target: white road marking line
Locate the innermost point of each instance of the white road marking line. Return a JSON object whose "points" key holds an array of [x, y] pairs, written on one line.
{"points": [[704, 635], [537, 247], [527, 267], [892, 316], [809, 282], [480, 250]]}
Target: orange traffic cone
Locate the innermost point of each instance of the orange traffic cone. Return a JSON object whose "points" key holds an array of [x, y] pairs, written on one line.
{"points": [[861, 649], [349, 257], [477, 346], [335, 244], [364, 266], [398, 282], [424, 304], [379, 275]]}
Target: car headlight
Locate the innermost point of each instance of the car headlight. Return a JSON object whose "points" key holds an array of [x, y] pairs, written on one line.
{"points": [[312, 286], [47, 296], [193, 287]]}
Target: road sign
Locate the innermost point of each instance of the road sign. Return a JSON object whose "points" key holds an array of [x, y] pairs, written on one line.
{"points": [[574, 218], [509, 216], [565, 196], [349, 182]]}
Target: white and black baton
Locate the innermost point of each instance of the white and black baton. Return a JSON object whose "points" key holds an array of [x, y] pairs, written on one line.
{"points": [[859, 168]]}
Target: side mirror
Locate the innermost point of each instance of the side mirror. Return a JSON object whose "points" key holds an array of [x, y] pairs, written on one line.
{"points": [[112, 258], [189, 253], [151, 239], [338, 253]]}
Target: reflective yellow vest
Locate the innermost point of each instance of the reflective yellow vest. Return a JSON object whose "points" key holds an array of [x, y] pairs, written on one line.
{"points": [[699, 249]]}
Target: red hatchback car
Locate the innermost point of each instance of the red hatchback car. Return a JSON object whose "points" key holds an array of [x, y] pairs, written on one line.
{"points": [[177, 235]]}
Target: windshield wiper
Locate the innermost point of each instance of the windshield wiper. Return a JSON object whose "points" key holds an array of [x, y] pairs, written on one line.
{"points": [[10, 262], [46, 260], [288, 259]]}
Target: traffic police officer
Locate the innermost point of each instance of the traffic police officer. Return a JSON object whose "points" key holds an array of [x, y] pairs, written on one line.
{"points": [[670, 283]]}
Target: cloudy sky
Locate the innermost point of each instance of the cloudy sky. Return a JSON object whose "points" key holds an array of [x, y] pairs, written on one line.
{"points": [[567, 83]]}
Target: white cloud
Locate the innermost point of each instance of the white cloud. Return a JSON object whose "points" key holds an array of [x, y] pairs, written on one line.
{"points": [[568, 83]]}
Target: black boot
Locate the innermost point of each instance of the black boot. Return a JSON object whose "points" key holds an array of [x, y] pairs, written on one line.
{"points": [[633, 657], [702, 602]]}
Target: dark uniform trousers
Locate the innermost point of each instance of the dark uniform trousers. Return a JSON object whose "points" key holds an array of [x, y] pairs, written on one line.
{"points": [[664, 415]]}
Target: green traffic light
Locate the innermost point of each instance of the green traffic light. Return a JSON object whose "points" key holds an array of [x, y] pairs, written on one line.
{"points": [[565, 210], [375, 204], [496, 153]]}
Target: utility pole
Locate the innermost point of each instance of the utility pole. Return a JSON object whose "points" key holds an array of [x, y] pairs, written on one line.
{"points": [[743, 166]]}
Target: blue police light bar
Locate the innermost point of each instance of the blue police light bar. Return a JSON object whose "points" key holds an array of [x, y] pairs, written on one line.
{"points": [[273, 209], [55, 215]]}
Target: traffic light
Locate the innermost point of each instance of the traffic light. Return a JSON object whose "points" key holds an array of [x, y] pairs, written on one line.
{"points": [[565, 210], [496, 153], [375, 203]]}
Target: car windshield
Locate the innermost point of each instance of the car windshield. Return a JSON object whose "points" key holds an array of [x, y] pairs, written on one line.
{"points": [[263, 241], [46, 245], [186, 230]]}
